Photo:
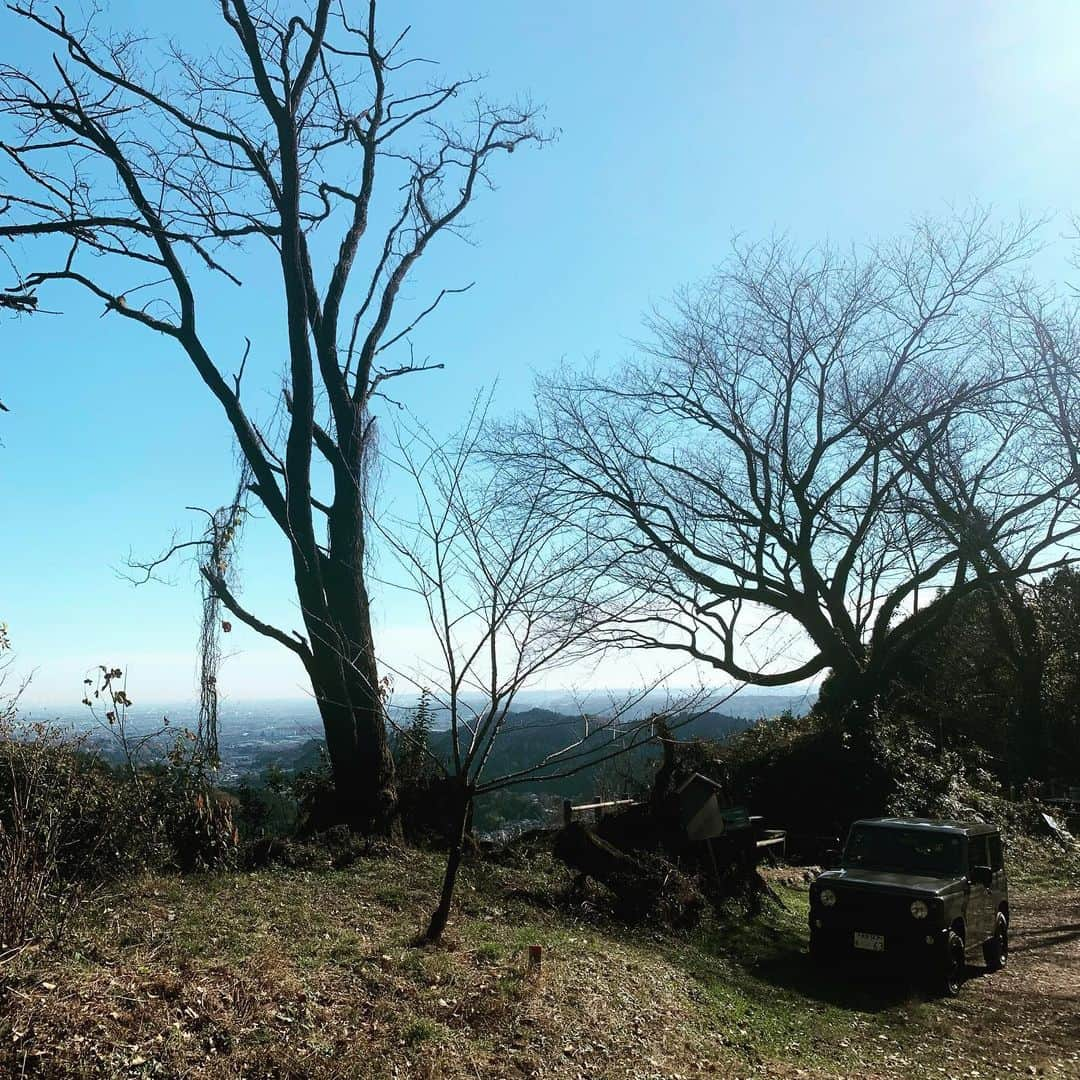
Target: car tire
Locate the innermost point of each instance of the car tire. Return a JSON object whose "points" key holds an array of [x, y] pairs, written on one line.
{"points": [[953, 966], [996, 950]]}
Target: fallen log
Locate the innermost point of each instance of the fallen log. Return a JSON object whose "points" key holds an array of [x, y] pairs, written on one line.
{"points": [[644, 886]]}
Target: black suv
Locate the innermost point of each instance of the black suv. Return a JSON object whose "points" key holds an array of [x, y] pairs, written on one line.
{"points": [[929, 893]]}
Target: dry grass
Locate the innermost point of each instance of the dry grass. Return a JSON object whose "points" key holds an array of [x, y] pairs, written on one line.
{"points": [[284, 974], [305, 974]]}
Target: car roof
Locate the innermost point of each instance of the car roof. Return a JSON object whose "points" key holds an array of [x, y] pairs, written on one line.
{"points": [[967, 828]]}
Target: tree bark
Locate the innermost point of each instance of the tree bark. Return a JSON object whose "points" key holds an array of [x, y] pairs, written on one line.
{"points": [[441, 915], [345, 678], [851, 694], [351, 708]]}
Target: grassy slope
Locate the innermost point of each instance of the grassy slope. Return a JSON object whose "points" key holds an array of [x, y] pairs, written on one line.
{"points": [[298, 974]]}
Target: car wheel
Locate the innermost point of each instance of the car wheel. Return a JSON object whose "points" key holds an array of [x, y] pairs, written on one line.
{"points": [[996, 950], [955, 963]]}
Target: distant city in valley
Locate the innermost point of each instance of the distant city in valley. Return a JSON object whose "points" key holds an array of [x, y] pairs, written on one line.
{"points": [[254, 734]]}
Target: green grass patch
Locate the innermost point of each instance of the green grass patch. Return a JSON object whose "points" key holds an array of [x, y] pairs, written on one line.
{"points": [[423, 1030]]}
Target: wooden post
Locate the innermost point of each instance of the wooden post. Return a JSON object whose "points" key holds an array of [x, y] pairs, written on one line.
{"points": [[712, 859], [536, 957]]}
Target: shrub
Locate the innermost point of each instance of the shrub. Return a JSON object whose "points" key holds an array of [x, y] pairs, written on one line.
{"points": [[173, 817], [195, 819], [316, 797], [809, 776], [108, 822], [37, 850], [68, 820], [422, 790], [265, 807], [801, 773]]}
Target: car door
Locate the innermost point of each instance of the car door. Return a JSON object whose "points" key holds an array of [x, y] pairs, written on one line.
{"points": [[980, 897], [997, 866]]}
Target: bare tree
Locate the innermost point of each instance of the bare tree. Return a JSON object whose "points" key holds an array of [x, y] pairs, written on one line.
{"points": [[510, 595], [143, 175], [809, 444]]}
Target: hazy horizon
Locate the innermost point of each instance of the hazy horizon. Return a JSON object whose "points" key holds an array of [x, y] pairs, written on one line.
{"points": [[528, 699]]}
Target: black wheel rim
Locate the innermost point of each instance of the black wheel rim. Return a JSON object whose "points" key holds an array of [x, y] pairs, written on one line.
{"points": [[1003, 944]]}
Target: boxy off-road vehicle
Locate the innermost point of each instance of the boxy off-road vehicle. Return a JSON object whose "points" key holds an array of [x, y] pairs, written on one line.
{"points": [[932, 894]]}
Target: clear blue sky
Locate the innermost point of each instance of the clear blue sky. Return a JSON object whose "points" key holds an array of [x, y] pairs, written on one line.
{"points": [[680, 125]]}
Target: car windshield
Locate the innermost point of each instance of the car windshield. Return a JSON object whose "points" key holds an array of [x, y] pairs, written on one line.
{"points": [[906, 851]]}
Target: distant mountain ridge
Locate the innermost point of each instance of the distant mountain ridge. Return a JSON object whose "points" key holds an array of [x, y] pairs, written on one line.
{"points": [[534, 736], [288, 734], [529, 736]]}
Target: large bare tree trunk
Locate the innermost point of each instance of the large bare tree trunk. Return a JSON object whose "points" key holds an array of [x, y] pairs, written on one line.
{"points": [[357, 744], [1031, 665], [345, 678]]}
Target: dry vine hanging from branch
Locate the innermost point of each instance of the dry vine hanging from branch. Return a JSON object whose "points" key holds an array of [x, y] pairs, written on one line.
{"points": [[222, 537]]}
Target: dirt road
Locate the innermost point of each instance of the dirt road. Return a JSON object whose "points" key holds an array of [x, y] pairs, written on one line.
{"points": [[1025, 1020]]}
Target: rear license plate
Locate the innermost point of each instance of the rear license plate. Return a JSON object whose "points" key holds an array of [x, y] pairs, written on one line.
{"points": [[870, 942]]}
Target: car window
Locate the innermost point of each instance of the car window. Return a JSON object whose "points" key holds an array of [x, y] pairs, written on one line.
{"points": [[977, 854], [905, 851], [997, 860]]}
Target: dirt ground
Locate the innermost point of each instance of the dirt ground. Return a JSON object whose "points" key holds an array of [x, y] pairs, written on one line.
{"points": [[1031, 1012]]}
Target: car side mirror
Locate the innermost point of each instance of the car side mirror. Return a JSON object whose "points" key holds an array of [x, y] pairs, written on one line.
{"points": [[982, 875], [832, 858]]}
